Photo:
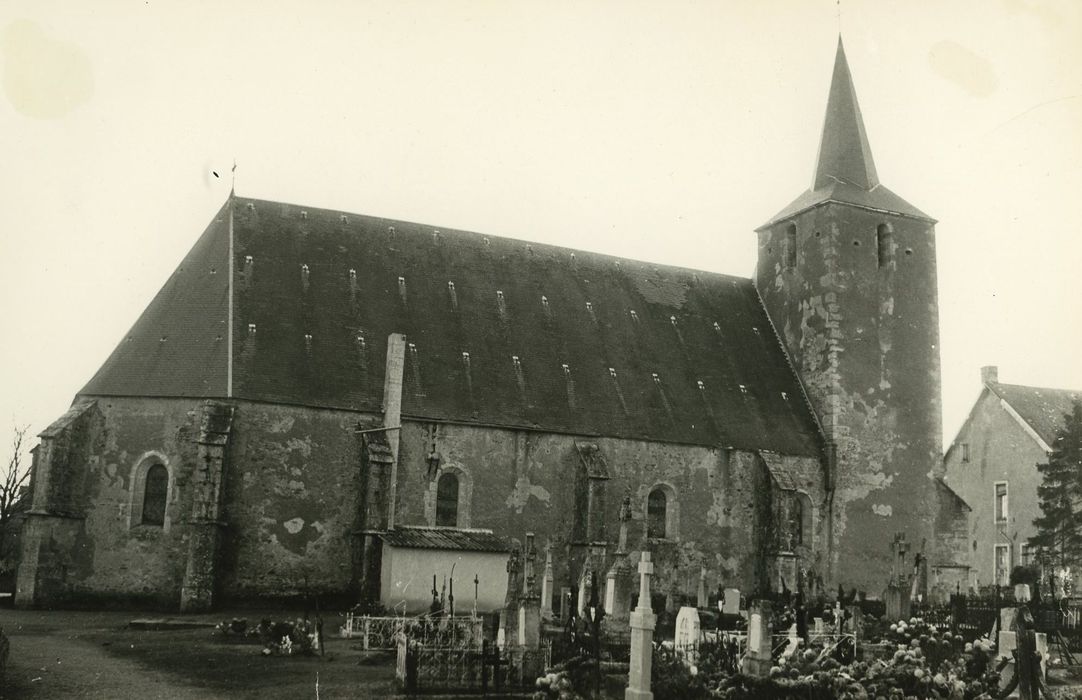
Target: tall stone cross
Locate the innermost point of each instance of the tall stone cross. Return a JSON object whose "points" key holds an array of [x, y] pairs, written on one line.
{"points": [[530, 558], [642, 636], [900, 548], [514, 582], [546, 584]]}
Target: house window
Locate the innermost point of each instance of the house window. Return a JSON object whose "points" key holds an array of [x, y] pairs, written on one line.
{"points": [[796, 521], [656, 512], [884, 245], [1001, 502], [155, 492], [1003, 564], [790, 246], [447, 500], [1027, 555]]}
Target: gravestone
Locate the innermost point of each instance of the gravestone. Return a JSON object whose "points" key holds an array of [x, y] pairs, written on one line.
{"points": [[731, 604], [758, 660], [701, 593], [688, 627], [643, 620]]}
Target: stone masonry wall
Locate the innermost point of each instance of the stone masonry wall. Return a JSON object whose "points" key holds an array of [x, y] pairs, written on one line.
{"points": [[864, 339]]}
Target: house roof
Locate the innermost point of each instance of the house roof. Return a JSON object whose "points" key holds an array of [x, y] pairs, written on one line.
{"points": [[464, 540], [1041, 408], [844, 169], [499, 331]]}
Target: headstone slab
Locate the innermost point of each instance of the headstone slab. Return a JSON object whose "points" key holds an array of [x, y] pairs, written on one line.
{"points": [[687, 629], [731, 604]]}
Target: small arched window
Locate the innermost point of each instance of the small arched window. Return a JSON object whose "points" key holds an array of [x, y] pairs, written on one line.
{"points": [[447, 500], [656, 513], [790, 246], [155, 492], [796, 520], [884, 245]]}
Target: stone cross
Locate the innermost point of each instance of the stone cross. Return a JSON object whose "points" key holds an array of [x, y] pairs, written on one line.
{"points": [[642, 637], [625, 516], [546, 584], [701, 593], [531, 557], [899, 547]]}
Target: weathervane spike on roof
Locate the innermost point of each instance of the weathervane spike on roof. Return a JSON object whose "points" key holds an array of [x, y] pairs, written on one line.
{"points": [[233, 183], [844, 153]]}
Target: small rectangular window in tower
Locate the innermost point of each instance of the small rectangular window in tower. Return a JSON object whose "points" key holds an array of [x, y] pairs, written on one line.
{"points": [[884, 245], [1001, 501], [790, 247], [965, 451]]}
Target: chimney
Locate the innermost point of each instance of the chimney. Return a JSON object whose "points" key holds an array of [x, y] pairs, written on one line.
{"points": [[990, 375]]}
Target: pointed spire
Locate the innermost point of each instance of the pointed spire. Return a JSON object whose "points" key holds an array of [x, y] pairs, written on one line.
{"points": [[844, 153]]}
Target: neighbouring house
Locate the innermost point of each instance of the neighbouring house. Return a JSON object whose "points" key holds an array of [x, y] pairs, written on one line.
{"points": [[310, 385], [992, 465]]}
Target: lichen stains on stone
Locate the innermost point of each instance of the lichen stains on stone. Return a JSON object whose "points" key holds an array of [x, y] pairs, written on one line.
{"points": [[302, 446], [282, 425], [294, 526], [523, 491], [885, 510]]}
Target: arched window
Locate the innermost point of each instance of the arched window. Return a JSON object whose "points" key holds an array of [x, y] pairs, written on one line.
{"points": [[790, 246], [155, 492], [656, 513], [796, 520], [447, 500], [884, 245]]}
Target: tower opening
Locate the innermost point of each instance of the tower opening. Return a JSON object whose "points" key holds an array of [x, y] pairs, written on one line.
{"points": [[883, 245], [790, 247]]}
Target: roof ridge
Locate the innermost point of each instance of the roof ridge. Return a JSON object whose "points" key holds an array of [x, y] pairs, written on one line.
{"points": [[506, 239]]}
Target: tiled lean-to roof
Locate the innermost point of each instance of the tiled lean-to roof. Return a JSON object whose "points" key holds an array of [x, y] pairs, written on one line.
{"points": [[459, 539], [499, 332]]}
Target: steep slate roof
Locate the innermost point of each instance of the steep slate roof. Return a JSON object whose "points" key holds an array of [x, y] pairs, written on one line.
{"points": [[546, 306], [845, 171], [463, 540], [178, 346], [1043, 409]]}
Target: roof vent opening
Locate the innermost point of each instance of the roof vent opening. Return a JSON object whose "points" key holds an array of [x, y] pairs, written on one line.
{"points": [[743, 389], [213, 270], [453, 295], [415, 370], [699, 383], [304, 277], [570, 386], [590, 310], [304, 214], [251, 329], [634, 315], [619, 392], [402, 289], [436, 236], [545, 307], [520, 378], [501, 305], [344, 219], [308, 342], [390, 230], [352, 273], [467, 369], [162, 339], [251, 206], [485, 239]]}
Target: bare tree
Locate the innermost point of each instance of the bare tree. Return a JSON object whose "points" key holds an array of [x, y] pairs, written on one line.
{"points": [[12, 481]]}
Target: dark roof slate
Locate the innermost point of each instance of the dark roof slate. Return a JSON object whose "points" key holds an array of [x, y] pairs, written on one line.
{"points": [[1043, 409], [844, 169], [551, 339], [463, 540], [178, 347]]}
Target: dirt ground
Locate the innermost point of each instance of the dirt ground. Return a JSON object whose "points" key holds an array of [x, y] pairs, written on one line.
{"points": [[63, 654]]}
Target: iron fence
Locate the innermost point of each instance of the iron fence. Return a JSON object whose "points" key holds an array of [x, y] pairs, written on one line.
{"points": [[422, 668], [383, 633]]}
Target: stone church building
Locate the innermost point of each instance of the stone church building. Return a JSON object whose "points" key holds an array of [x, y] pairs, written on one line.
{"points": [[311, 385]]}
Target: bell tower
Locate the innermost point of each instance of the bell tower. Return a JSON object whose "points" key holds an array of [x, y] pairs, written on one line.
{"points": [[847, 273]]}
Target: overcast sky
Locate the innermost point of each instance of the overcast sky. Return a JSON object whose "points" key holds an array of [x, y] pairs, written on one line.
{"points": [[665, 131]]}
